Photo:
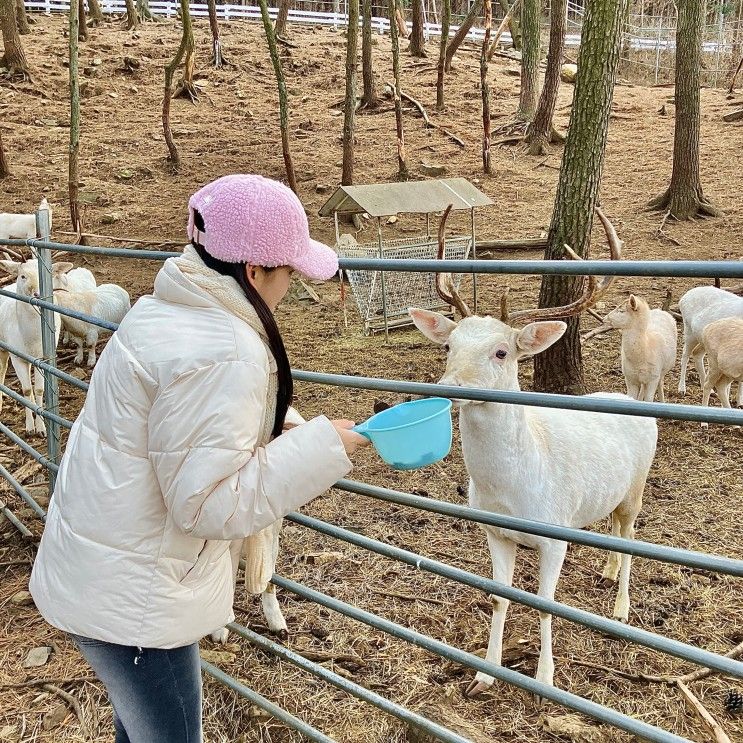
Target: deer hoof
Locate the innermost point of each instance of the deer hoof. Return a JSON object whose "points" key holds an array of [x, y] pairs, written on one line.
{"points": [[476, 688], [219, 636]]}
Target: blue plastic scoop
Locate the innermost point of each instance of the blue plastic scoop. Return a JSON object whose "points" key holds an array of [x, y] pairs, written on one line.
{"points": [[411, 435]]}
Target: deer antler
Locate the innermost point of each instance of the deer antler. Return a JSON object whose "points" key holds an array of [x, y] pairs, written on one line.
{"points": [[593, 290], [444, 281]]}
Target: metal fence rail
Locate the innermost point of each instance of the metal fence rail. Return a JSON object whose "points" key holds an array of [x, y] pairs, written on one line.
{"points": [[718, 563]]}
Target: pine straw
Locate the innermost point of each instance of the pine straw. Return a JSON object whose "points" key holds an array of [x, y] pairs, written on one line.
{"points": [[691, 501]]}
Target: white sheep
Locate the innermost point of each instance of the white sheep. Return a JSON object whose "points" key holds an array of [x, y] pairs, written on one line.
{"points": [[20, 327], [564, 467], [22, 226], [649, 340], [108, 302], [723, 344], [699, 307]]}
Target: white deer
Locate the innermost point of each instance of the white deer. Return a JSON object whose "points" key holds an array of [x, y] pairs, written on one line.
{"points": [[563, 467]]}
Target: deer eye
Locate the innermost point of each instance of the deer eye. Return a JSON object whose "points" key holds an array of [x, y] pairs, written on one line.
{"points": [[446, 347], [500, 354], [23, 276]]}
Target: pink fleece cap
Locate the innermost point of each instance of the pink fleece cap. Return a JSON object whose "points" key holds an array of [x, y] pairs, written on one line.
{"points": [[259, 221]]}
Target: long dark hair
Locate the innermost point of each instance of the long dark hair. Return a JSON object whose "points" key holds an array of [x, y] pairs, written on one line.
{"points": [[285, 392]]}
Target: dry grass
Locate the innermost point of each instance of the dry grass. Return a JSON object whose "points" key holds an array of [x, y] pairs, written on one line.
{"points": [[693, 495]]}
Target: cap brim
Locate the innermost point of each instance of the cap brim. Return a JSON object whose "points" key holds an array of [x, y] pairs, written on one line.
{"points": [[319, 263]]}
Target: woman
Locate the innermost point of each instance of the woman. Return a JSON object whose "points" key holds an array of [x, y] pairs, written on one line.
{"points": [[184, 447]]}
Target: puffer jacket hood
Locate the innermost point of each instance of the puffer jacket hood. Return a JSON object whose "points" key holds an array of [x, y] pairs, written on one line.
{"points": [[163, 475]]}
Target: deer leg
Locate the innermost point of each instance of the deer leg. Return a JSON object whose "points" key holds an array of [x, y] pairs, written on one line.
{"points": [[269, 603], [551, 558], [633, 389], [684, 361], [697, 356], [627, 530], [611, 570], [723, 390], [711, 381], [649, 391], [503, 556], [662, 389], [91, 340], [23, 372], [4, 358]]}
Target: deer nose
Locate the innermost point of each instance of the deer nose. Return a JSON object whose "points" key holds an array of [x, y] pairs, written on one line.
{"points": [[35, 295]]}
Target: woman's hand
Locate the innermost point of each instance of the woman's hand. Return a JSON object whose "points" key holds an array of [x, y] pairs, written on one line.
{"points": [[351, 440]]}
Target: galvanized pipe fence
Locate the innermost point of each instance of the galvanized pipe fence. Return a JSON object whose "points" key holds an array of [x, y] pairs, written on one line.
{"points": [[717, 563]]}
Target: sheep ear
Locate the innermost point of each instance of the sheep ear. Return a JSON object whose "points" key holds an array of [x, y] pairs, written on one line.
{"points": [[63, 267], [12, 267], [536, 336], [433, 325], [633, 301]]}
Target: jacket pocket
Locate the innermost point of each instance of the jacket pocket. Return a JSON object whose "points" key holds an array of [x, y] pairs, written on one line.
{"points": [[212, 552]]}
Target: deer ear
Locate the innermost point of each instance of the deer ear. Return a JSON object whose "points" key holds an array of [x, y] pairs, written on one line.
{"points": [[537, 336], [633, 301], [63, 267], [433, 325]]}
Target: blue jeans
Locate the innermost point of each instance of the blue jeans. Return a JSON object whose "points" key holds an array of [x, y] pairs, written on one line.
{"points": [[155, 694]]}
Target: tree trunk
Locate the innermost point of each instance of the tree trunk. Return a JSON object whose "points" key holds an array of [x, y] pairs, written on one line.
{"points": [[73, 179], [530, 52], [170, 69], [684, 198], [132, 17], [485, 88], [514, 26], [560, 367], [283, 102], [14, 57], [4, 169], [417, 42], [370, 98], [735, 52], [462, 32], [402, 168], [541, 131], [95, 12], [445, 22], [22, 18], [82, 28], [143, 11], [282, 17], [350, 109], [186, 87], [218, 59]]}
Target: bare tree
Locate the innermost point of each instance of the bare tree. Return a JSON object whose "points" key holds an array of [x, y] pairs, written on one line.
{"points": [[402, 168], [561, 369], [4, 169], [132, 17], [684, 198], [445, 22], [485, 88], [218, 59], [282, 18], [82, 28], [144, 12], [170, 69], [14, 57], [369, 99], [95, 12], [513, 24], [186, 87], [417, 42], [22, 18], [530, 53], [541, 131], [283, 99], [350, 110], [72, 176], [462, 32]]}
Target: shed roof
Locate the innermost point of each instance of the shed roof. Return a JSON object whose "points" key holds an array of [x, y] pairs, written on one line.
{"points": [[413, 197]]}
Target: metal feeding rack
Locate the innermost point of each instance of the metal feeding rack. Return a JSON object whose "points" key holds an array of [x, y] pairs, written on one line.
{"points": [[383, 297]]}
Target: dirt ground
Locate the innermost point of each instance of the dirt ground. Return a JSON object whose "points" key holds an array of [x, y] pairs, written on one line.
{"points": [[694, 492]]}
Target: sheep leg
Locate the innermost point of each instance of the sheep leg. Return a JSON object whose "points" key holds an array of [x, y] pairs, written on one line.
{"points": [[503, 556], [551, 558], [627, 514], [649, 391], [91, 340], [611, 570], [4, 358], [23, 372]]}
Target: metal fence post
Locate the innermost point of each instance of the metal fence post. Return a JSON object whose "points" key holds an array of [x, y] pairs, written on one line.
{"points": [[48, 341]]}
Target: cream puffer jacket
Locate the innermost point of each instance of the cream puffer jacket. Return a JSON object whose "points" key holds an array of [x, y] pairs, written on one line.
{"points": [[162, 477]]}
